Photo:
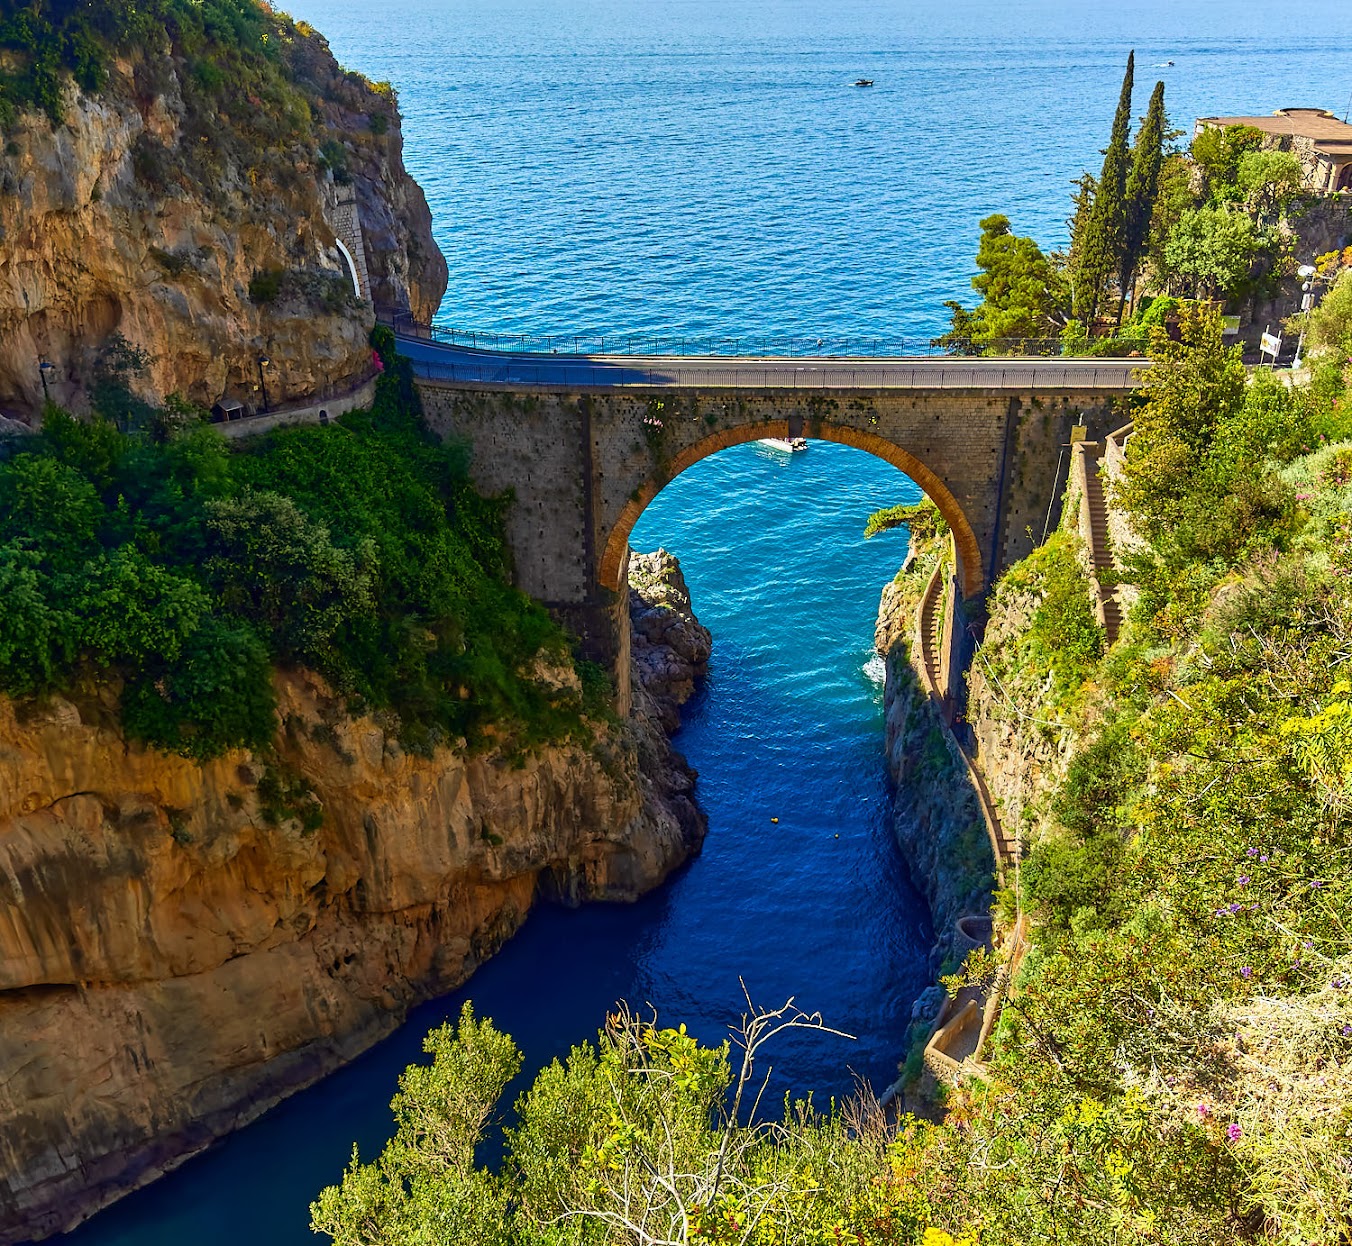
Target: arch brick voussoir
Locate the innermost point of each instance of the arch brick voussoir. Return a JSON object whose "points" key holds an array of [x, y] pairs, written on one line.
{"points": [[971, 571]]}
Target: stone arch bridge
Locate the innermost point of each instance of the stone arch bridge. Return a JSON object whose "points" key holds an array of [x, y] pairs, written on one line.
{"points": [[585, 443]]}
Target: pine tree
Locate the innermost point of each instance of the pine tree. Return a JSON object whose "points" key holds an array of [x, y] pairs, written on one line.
{"points": [[1143, 183], [1105, 230]]}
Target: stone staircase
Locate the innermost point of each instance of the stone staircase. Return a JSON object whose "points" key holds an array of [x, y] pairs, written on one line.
{"points": [[1094, 530], [931, 622], [929, 637]]}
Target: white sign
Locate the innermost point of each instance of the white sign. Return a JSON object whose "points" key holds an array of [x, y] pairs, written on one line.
{"points": [[1271, 345]]}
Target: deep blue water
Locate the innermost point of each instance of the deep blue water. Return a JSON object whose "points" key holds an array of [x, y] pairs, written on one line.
{"points": [[626, 166], [701, 165]]}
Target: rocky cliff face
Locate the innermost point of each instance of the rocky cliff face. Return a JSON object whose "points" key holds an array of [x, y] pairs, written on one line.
{"points": [[670, 649], [935, 812], [148, 216], [180, 945]]}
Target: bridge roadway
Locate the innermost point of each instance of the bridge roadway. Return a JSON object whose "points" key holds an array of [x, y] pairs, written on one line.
{"points": [[436, 361]]}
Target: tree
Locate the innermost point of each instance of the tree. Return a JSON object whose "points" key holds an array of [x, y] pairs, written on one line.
{"points": [[1268, 181], [1198, 484], [1082, 205], [425, 1187], [51, 507], [276, 567], [1217, 151], [1142, 187], [38, 636], [135, 613], [965, 328], [1329, 327], [1019, 289], [644, 1138], [1174, 196], [120, 362], [1195, 385], [1105, 230], [1016, 283], [1213, 249], [216, 696]]}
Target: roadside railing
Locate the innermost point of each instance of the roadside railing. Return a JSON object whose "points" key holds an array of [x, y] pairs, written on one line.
{"points": [[691, 345], [1117, 376]]}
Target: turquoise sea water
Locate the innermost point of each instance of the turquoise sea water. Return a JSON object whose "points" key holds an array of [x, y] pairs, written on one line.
{"points": [[691, 166]]}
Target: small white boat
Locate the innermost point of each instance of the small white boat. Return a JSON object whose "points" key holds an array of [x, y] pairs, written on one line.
{"points": [[863, 82], [787, 444]]}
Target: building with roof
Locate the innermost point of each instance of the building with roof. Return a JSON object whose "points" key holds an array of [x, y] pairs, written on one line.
{"points": [[1321, 143]]}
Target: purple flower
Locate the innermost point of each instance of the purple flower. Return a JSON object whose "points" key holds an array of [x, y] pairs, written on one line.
{"points": [[1253, 852], [1246, 972], [1233, 1133], [1263, 860], [1308, 945], [1243, 880], [1318, 882], [1203, 1111], [1347, 1031], [1233, 908]]}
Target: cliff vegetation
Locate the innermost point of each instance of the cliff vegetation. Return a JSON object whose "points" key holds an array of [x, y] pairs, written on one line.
{"points": [[180, 571]]}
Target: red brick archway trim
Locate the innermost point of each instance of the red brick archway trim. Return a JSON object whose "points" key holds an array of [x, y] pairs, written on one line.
{"points": [[971, 573]]}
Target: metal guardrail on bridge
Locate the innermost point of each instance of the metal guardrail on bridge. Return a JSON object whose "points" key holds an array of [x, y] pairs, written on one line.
{"points": [[1117, 376], [693, 345]]}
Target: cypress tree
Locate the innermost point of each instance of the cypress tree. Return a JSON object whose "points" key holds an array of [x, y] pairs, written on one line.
{"points": [[1105, 229], [1143, 185], [1082, 203]]}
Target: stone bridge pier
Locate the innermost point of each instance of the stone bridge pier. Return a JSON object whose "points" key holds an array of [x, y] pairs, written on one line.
{"points": [[583, 463]]}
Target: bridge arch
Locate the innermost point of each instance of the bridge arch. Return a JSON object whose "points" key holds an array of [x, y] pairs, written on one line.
{"points": [[971, 569]]}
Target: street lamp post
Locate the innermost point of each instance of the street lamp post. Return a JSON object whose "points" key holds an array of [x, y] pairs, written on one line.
{"points": [[263, 362], [43, 369], [1306, 273]]}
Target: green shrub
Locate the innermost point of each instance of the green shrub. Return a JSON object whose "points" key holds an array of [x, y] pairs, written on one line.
{"points": [[283, 795], [265, 285], [333, 156], [1065, 636], [922, 518], [1069, 878], [216, 696]]}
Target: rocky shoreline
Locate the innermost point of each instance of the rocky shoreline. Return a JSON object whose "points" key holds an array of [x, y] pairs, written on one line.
{"points": [[180, 949], [669, 647]]}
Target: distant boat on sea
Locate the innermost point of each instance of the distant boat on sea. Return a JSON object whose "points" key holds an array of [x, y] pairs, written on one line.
{"points": [[863, 82]]}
